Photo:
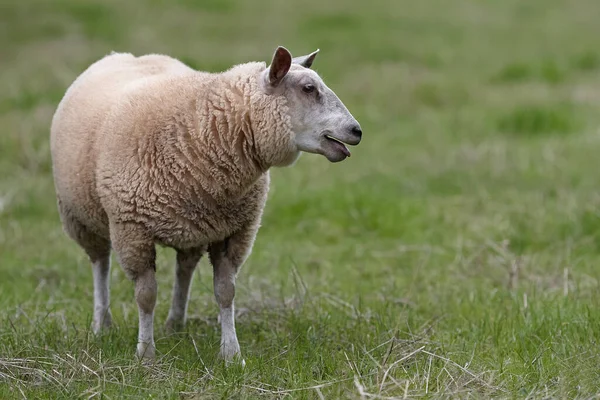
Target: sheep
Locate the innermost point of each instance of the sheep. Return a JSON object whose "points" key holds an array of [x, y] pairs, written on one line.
{"points": [[147, 151]]}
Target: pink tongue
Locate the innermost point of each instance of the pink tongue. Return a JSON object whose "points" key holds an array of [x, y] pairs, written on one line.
{"points": [[343, 148]]}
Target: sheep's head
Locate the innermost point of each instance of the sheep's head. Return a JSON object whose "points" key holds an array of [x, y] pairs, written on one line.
{"points": [[320, 121]]}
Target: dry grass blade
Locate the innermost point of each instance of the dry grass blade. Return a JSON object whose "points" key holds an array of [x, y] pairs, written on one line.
{"points": [[22, 365], [319, 393], [477, 378], [364, 394], [406, 357], [428, 376], [301, 389]]}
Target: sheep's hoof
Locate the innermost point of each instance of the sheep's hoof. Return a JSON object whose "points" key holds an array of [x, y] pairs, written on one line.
{"points": [[232, 355], [174, 325], [102, 324], [236, 361], [146, 351]]}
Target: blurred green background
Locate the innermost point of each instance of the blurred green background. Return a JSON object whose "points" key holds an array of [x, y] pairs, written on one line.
{"points": [[454, 254]]}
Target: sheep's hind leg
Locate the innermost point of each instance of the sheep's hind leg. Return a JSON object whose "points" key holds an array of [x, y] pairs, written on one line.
{"points": [[101, 273], [137, 256], [98, 250], [187, 260], [227, 257]]}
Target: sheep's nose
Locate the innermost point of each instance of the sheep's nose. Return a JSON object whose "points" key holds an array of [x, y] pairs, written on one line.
{"points": [[356, 130]]}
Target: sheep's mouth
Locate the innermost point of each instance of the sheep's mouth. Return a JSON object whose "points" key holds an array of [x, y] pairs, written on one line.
{"points": [[338, 144]]}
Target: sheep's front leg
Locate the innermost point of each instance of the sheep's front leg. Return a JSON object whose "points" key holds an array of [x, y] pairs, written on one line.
{"points": [[187, 260], [227, 257], [224, 286], [137, 255], [145, 296]]}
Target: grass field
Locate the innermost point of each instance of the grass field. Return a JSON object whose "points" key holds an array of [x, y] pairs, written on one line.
{"points": [[455, 254]]}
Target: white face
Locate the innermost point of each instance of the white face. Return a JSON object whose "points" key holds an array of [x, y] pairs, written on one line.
{"points": [[321, 122]]}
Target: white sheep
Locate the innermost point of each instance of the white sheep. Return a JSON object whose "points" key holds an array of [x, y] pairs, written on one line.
{"points": [[147, 151]]}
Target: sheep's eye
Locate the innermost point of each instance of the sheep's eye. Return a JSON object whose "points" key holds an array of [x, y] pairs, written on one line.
{"points": [[308, 88]]}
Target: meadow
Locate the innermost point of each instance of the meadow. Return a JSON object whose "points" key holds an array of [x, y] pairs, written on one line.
{"points": [[456, 254]]}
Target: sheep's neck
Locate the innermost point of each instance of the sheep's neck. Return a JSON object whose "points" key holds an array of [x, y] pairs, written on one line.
{"points": [[261, 119], [218, 144], [228, 136]]}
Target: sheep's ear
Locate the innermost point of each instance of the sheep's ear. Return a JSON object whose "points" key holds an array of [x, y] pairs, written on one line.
{"points": [[306, 61], [282, 61]]}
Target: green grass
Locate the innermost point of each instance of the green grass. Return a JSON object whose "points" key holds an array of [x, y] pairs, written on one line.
{"points": [[455, 254]]}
